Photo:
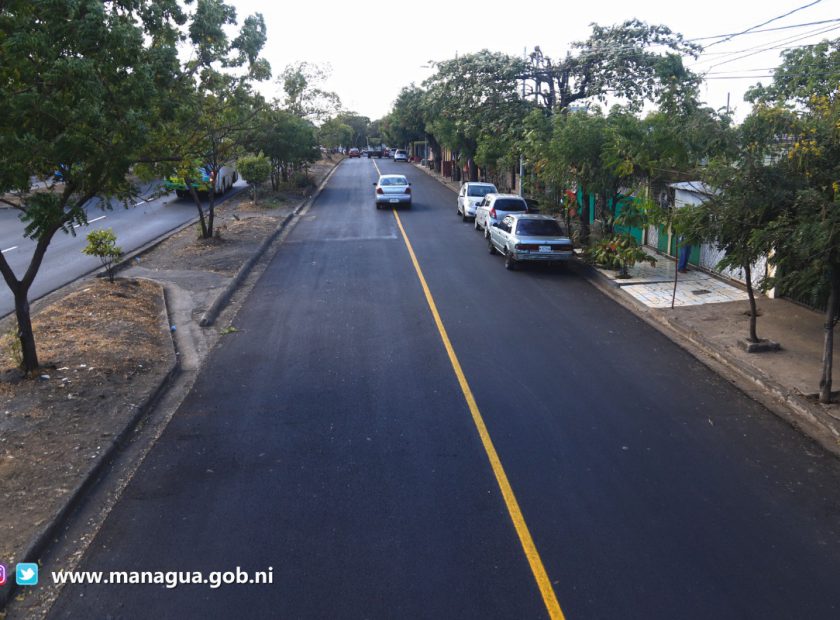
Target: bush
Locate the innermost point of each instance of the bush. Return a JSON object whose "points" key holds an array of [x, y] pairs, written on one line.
{"points": [[256, 170], [620, 252], [103, 244]]}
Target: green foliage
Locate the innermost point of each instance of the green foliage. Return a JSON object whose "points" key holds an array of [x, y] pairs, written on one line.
{"points": [[304, 96], [473, 99], [621, 251], [256, 169], [407, 121], [805, 72], [333, 133], [633, 61], [103, 245], [84, 86], [287, 140]]}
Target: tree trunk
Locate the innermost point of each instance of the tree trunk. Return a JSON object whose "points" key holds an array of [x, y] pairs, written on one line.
{"points": [[473, 169], [197, 201], [584, 221], [211, 211], [828, 348], [753, 309], [29, 351]]}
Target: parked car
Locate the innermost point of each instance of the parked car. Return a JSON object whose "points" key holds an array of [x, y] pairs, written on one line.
{"points": [[400, 155], [392, 189], [470, 195], [528, 237], [494, 207], [354, 152]]}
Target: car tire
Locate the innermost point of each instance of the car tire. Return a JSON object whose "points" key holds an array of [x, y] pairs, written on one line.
{"points": [[510, 261], [465, 217], [378, 206], [491, 248]]}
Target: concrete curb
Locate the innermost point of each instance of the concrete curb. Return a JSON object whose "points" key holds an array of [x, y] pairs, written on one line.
{"points": [[46, 534], [212, 313], [794, 409]]}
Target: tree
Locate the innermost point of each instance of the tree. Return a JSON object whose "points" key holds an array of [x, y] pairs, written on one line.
{"points": [[217, 108], [807, 250], [473, 98], [360, 127], [82, 86], [617, 60], [256, 169], [287, 140], [752, 187], [333, 133], [304, 97], [804, 72], [406, 122], [103, 245], [807, 238]]}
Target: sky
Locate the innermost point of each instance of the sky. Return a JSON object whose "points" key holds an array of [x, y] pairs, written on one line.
{"points": [[374, 49]]}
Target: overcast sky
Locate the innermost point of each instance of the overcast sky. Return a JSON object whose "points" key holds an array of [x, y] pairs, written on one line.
{"points": [[376, 48]]}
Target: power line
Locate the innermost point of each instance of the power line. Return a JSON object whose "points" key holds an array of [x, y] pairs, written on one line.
{"points": [[738, 34], [774, 44], [718, 36], [767, 49]]}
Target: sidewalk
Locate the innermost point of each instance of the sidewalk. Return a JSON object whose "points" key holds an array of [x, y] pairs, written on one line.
{"points": [[711, 316]]}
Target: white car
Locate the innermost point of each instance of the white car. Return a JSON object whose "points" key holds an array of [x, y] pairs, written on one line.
{"points": [[494, 207], [526, 238], [400, 155], [470, 195]]}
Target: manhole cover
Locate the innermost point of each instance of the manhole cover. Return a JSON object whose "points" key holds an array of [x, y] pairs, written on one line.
{"points": [[701, 291]]}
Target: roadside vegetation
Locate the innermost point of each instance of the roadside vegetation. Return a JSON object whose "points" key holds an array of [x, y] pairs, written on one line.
{"points": [[96, 94], [615, 122]]}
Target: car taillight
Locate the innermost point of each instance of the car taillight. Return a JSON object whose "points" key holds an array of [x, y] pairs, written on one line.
{"points": [[493, 213], [407, 190], [379, 190]]}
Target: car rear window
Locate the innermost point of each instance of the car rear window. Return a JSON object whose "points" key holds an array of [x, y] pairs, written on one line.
{"points": [[510, 204], [394, 181], [539, 228], [480, 190]]}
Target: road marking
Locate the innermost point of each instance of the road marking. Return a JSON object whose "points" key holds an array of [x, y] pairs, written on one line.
{"points": [[14, 247], [528, 546], [96, 219]]}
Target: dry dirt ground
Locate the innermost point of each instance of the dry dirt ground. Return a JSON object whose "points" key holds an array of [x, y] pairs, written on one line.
{"points": [[104, 349]]}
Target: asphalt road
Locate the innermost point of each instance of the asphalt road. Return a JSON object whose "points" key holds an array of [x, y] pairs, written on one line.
{"points": [[149, 218], [329, 443]]}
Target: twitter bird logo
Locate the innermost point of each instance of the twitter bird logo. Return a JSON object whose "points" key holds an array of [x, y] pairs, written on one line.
{"points": [[27, 574]]}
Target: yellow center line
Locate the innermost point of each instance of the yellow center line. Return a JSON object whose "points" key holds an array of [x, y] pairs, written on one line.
{"points": [[528, 546]]}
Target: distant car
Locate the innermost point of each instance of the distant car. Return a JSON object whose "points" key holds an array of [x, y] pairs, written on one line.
{"points": [[525, 237], [354, 152], [400, 155], [392, 189], [494, 207], [470, 195]]}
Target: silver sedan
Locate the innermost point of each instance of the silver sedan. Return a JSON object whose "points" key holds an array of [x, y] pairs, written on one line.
{"points": [[529, 237], [392, 190]]}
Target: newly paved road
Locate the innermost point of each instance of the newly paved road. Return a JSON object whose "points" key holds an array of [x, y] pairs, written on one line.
{"points": [[331, 441], [150, 217]]}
